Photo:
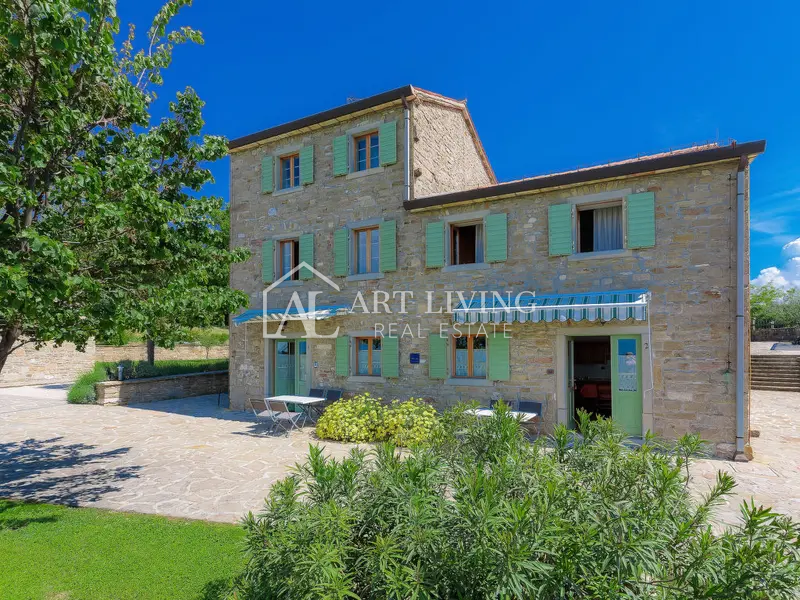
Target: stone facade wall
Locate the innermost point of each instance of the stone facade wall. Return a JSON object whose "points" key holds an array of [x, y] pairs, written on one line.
{"points": [[689, 273], [445, 156], [50, 364], [139, 352], [168, 387]]}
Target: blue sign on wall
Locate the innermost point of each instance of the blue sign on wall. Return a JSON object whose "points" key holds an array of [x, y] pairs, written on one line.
{"points": [[414, 358]]}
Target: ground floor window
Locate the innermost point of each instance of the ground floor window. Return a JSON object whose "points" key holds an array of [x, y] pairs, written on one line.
{"points": [[469, 356], [368, 356]]}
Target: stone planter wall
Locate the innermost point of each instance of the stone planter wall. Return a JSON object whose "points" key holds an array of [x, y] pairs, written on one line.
{"points": [[152, 389]]}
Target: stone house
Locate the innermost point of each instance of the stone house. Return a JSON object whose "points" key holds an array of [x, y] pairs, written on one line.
{"points": [[619, 289]]}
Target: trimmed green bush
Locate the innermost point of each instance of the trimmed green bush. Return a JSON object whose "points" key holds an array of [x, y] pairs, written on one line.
{"points": [[482, 513], [83, 391], [366, 419]]}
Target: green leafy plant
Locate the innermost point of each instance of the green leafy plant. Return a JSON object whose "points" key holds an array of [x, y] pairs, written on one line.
{"points": [[363, 418], [483, 513], [208, 337]]}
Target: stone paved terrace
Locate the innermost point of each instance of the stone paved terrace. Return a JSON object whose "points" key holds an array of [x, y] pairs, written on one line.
{"points": [[189, 458]]}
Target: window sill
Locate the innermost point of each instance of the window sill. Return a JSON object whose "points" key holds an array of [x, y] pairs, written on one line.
{"points": [[468, 382], [598, 255], [365, 379], [364, 276], [468, 267], [358, 174], [285, 191], [291, 283]]}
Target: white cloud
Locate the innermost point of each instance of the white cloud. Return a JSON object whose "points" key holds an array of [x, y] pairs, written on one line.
{"points": [[787, 276]]}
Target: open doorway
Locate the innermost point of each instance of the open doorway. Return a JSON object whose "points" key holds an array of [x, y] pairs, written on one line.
{"points": [[591, 374]]}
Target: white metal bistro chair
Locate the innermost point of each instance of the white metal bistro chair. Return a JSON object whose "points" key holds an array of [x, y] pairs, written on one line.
{"points": [[262, 412], [285, 418]]}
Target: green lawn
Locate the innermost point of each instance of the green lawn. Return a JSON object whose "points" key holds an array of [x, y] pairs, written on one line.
{"points": [[62, 553]]}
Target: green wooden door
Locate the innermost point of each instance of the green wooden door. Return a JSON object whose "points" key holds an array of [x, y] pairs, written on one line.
{"points": [[626, 383], [291, 369]]}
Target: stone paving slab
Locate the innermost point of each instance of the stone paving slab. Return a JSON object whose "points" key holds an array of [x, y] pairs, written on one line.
{"points": [[191, 458]]}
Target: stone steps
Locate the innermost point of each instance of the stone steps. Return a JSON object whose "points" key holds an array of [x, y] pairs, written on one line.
{"points": [[775, 373]]}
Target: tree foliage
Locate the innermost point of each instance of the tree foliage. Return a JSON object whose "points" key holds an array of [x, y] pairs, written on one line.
{"points": [[482, 513], [774, 307], [102, 225]]}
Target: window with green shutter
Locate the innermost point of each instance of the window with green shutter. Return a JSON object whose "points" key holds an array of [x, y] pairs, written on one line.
{"points": [[437, 356], [343, 356], [267, 261], [340, 155], [340, 253], [388, 243], [496, 237], [307, 165], [267, 175], [434, 244], [499, 369], [387, 134], [390, 357], [307, 255], [559, 229], [640, 211]]}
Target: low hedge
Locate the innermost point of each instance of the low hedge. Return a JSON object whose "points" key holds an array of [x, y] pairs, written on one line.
{"points": [[83, 392], [367, 419]]}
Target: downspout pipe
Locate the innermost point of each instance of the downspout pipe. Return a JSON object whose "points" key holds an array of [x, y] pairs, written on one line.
{"points": [[406, 152], [740, 308]]}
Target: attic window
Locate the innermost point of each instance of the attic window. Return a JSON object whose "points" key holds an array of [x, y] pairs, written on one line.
{"points": [[600, 228]]}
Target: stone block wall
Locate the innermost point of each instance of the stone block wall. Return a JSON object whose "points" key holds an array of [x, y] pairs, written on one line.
{"points": [[168, 387], [139, 352], [49, 364]]}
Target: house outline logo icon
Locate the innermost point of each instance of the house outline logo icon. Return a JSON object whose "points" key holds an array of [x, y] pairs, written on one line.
{"points": [[306, 317]]}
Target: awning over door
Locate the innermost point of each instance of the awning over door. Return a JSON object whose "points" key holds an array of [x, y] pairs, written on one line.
{"points": [[277, 314], [593, 306]]}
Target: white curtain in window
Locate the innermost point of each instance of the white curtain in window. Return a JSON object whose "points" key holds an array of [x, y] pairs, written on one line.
{"points": [[608, 228], [479, 243]]}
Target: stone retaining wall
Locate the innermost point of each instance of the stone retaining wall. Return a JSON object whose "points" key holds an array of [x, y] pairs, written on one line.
{"points": [[48, 365], [778, 334], [168, 387], [139, 352]]}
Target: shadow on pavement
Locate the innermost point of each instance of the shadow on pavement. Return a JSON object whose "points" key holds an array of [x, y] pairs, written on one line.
{"points": [[51, 471]]}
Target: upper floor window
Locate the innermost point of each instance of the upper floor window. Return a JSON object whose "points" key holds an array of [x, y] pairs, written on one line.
{"points": [[466, 243], [290, 171], [600, 228], [469, 356], [368, 356], [366, 152], [367, 250], [288, 257]]}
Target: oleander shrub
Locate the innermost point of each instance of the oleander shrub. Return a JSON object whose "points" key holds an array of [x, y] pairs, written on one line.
{"points": [[483, 513], [363, 418]]}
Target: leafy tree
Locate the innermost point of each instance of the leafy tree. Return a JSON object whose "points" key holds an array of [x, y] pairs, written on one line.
{"points": [[102, 227], [773, 307], [482, 513]]}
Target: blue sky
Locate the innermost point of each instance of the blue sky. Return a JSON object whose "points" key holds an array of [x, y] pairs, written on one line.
{"points": [[550, 86]]}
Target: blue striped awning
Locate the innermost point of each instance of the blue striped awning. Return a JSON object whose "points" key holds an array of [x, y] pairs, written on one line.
{"points": [[593, 306], [277, 314]]}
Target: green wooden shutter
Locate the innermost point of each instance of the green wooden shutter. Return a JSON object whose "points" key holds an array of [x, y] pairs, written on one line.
{"points": [[388, 246], [340, 252], [307, 254], [307, 165], [559, 229], [499, 369], [434, 244], [266, 175], [496, 238], [343, 356], [390, 357], [267, 261], [387, 143], [640, 211], [437, 356], [340, 155]]}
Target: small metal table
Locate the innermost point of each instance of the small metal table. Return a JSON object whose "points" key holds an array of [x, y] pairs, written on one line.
{"points": [[310, 405], [488, 412]]}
